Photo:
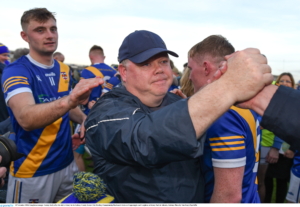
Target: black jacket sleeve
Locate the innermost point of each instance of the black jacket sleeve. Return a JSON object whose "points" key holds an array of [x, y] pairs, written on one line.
{"points": [[282, 116], [126, 135]]}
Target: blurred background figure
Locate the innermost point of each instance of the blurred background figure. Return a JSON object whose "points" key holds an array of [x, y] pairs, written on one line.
{"points": [[280, 157], [4, 54], [59, 57], [19, 53]]}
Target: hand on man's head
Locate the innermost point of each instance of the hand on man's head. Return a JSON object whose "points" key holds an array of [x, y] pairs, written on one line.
{"points": [[247, 73]]}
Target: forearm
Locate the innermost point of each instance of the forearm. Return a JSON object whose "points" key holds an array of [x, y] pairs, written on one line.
{"points": [[208, 104], [263, 99], [228, 185], [77, 116], [34, 116]]}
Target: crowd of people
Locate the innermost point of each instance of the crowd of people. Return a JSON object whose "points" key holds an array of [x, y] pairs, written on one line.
{"points": [[220, 132]]}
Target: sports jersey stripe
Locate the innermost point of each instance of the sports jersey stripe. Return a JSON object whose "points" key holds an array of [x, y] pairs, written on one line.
{"points": [[109, 86], [248, 116], [226, 143], [107, 199], [12, 169], [225, 138], [63, 199], [25, 83], [63, 80], [13, 78], [95, 71], [38, 153], [228, 148]]}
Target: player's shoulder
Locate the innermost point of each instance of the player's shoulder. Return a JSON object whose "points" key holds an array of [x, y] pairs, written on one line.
{"points": [[18, 67]]}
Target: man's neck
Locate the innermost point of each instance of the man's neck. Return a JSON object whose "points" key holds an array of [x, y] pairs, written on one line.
{"points": [[43, 59], [97, 61]]}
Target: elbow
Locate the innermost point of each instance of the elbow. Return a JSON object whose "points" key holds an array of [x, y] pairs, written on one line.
{"points": [[27, 126], [234, 197], [237, 199]]}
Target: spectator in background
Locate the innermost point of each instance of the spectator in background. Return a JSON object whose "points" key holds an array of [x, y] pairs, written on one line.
{"points": [[4, 54], [279, 157], [19, 53], [59, 57], [97, 69], [186, 86]]}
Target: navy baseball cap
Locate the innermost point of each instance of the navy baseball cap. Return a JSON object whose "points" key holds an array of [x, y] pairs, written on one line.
{"points": [[141, 45]]}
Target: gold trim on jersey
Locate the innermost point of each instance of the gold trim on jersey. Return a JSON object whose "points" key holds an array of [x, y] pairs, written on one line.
{"points": [[95, 71], [227, 148], [248, 116], [12, 81], [64, 77], [224, 138]]}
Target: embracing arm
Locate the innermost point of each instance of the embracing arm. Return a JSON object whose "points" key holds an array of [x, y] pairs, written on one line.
{"points": [[228, 185], [246, 75], [33, 116]]}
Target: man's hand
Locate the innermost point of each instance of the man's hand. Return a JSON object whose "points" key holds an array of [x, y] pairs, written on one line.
{"points": [[247, 73], [91, 104], [2, 174], [78, 138], [289, 154], [221, 70], [80, 94], [260, 102], [273, 155], [178, 92]]}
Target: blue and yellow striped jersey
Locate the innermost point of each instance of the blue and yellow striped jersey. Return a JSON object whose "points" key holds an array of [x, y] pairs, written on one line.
{"points": [[48, 149], [101, 70], [233, 141]]}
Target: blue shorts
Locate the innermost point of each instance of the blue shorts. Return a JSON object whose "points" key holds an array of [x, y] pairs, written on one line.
{"points": [[80, 149]]}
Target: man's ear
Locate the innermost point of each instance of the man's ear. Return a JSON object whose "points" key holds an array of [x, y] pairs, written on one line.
{"points": [[123, 72], [24, 36], [207, 68]]}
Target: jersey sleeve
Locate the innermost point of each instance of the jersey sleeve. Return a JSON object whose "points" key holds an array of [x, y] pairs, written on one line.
{"points": [[111, 83], [226, 138], [15, 80]]}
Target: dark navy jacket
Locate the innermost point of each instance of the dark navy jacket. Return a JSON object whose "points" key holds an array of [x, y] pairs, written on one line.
{"points": [[282, 116], [145, 155]]}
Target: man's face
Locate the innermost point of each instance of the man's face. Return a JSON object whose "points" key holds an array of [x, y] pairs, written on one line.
{"points": [[41, 37], [4, 57], [150, 79], [197, 75]]}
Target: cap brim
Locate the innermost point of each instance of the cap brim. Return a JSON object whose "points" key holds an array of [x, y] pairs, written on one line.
{"points": [[143, 56]]}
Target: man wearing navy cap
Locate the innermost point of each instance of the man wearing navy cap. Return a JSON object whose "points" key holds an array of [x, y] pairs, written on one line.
{"points": [[145, 146]]}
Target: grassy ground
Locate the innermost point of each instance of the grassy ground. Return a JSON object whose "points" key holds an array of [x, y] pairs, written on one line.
{"points": [[87, 162]]}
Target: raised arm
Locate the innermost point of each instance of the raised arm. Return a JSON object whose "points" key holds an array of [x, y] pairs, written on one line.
{"points": [[33, 116], [246, 75]]}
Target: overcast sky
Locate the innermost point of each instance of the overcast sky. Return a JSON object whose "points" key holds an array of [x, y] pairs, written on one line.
{"points": [[272, 26]]}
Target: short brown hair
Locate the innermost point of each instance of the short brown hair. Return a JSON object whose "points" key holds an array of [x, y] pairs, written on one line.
{"points": [[38, 14], [214, 45], [97, 49]]}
